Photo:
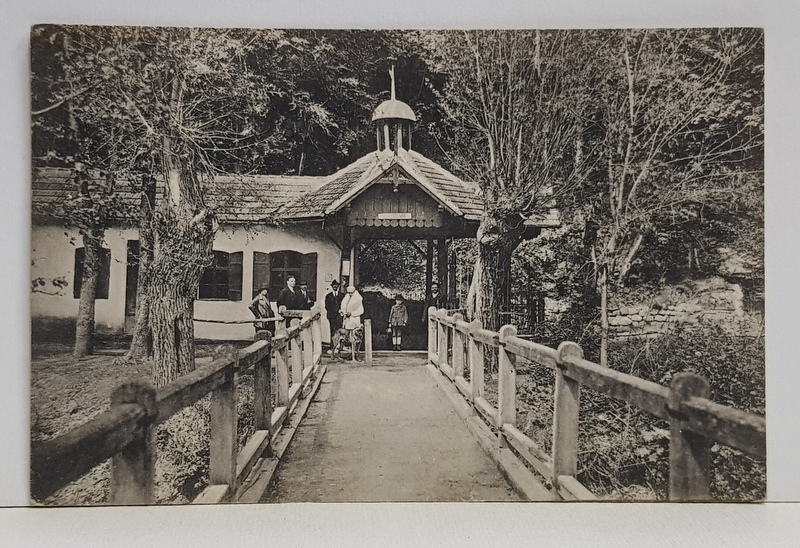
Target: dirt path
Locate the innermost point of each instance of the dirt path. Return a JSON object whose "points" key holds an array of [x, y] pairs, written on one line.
{"points": [[384, 433]]}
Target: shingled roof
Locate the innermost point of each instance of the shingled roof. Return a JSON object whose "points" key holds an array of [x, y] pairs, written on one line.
{"points": [[459, 197], [238, 199], [234, 198]]}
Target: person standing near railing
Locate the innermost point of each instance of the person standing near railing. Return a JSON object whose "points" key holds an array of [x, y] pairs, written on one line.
{"points": [[290, 298], [433, 299], [304, 295], [333, 302], [352, 308], [261, 308]]}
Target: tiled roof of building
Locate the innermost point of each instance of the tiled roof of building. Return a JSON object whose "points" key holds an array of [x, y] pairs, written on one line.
{"points": [[235, 199], [260, 198]]}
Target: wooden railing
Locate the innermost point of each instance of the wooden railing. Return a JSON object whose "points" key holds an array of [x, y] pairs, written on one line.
{"points": [[695, 420], [126, 433]]}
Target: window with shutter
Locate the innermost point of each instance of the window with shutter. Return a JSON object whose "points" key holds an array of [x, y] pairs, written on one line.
{"points": [[103, 275], [235, 276], [222, 279], [261, 263], [282, 265], [308, 274]]}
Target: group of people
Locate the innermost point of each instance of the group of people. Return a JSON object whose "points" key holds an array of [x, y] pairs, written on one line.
{"points": [[343, 309], [292, 297]]}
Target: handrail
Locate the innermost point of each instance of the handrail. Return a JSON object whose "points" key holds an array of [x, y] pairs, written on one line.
{"points": [[694, 419], [125, 433]]}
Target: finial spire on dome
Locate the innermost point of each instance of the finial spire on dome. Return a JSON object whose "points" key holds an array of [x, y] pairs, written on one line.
{"points": [[394, 120]]}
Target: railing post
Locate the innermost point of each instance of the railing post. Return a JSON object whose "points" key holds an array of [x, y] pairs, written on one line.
{"points": [[316, 336], [506, 382], [262, 381], [368, 341], [133, 468], [458, 348], [689, 460], [305, 340], [282, 368], [432, 331], [475, 357], [222, 465], [441, 354], [295, 355], [565, 416]]}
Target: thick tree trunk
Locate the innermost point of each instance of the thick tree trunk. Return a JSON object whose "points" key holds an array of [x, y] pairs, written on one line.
{"points": [[496, 243], [172, 311], [142, 341], [183, 235], [183, 250], [84, 328]]}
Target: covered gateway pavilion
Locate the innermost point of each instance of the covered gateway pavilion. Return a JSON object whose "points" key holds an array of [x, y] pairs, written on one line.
{"points": [[396, 193]]}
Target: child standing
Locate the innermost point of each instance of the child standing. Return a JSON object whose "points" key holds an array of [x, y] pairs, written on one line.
{"points": [[398, 318]]}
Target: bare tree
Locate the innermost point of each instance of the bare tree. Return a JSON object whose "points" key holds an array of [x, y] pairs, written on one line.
{"points": [[516, 105], [674, 130]]}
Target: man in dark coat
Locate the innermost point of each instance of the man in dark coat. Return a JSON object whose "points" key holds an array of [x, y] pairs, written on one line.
{"points": [[333, 300], [304, 294], [290, 298], [433, 299]]}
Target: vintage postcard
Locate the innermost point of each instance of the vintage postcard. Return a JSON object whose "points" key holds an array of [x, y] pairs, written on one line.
{"points": [[280, 265]]}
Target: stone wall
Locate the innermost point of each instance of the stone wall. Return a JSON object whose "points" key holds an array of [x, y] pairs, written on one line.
{"points": [[713, 300]]}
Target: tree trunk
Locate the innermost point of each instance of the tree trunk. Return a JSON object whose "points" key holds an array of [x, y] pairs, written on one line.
{"points": [[84, 328], [497, 241], [602, 281], [182, 235], [627, 262], [142, 341]]}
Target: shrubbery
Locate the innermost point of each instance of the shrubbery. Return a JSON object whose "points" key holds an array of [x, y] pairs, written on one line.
{"points": [[624, 452], [183, 446]]}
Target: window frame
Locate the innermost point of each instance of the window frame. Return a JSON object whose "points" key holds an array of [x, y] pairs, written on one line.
{"points": [[223, 276]]}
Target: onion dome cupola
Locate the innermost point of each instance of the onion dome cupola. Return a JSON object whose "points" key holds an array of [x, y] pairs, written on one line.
{"points": [[393, 121]]}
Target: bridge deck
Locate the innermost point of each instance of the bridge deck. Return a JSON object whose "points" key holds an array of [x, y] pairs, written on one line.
{"points": [[384, 433]]}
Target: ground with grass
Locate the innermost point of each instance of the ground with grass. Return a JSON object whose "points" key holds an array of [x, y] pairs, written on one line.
{"points": [[66, 392]]}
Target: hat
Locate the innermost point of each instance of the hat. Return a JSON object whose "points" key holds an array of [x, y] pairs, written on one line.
{"points": [[334, 283], [351, 289], [398, 297]]}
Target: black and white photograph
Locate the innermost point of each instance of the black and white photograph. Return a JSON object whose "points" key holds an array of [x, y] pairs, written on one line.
{"points": [[294, 265]]}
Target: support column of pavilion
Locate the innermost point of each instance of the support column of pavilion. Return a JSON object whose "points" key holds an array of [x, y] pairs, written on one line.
{"points": [[445, 268]]}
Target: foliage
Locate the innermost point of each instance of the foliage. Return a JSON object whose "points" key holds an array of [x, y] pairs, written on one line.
{"points": [[183, 446], [512, 103], [623, 452], [395, 265]]}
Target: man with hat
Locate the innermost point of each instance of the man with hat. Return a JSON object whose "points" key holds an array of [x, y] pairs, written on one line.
{"points": [[333, 300], [304, 295]]}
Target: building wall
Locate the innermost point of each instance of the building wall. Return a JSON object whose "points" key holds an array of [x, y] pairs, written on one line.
{"points": [[53, 256]]}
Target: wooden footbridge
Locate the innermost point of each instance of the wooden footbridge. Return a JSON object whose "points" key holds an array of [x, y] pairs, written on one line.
{"points": [[397, 427]]}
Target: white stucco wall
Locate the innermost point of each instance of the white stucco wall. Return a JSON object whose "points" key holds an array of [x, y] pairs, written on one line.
{"points": [[302, 239], [53, 255]]}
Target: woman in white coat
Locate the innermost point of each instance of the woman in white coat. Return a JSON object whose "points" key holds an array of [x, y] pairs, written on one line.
{"points": [[352, 309]]}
